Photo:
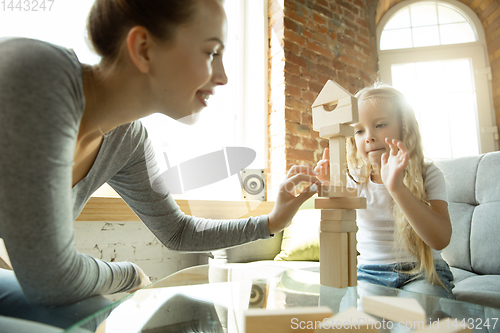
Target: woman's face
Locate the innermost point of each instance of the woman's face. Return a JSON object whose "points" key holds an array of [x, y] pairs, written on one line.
{"points": [[186, 70]]}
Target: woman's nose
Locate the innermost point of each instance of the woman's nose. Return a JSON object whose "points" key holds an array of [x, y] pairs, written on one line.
{"points": [[219, 76]]}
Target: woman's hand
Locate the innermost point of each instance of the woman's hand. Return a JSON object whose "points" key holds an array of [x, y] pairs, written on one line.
{"points": [[144, 280], [323, 167], [394, 165], [288, 203]]}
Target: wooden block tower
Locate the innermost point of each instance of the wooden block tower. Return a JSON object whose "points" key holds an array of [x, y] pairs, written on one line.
{"points": [[333, 111]]}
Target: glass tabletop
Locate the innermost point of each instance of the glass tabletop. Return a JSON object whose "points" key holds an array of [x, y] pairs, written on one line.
{"points": [[220, 307]]}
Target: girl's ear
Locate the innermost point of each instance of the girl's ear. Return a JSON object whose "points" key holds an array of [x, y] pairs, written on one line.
{"points": [[138, 46]]}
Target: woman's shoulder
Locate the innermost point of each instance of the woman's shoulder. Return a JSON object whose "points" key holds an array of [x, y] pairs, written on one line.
{"points": [[134, 130], [34, 55], [132, 135], [42, 81]]}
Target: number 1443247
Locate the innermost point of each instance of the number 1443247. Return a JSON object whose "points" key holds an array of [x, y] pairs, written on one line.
{"points": [[26, 5]]}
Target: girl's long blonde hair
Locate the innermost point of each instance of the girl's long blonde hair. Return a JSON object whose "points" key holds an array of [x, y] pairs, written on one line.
{"points": [[384, 96]]}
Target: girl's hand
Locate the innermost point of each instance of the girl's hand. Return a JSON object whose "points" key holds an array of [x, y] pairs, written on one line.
{"points": [[288, 203], [393, 165], [323, 168]]}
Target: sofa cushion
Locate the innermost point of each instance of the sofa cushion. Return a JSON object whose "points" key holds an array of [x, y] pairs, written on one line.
{"points": [[460, 175], [484, 244], [487, 187], [460, 274], [479, 289], [457, 253], [301, 237]]}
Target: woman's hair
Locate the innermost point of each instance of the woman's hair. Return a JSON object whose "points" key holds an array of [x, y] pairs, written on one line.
{"points": [[109, 21], [388, 98]]}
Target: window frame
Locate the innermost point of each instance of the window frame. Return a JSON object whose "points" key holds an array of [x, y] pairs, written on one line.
{"points": [[475, 51]]}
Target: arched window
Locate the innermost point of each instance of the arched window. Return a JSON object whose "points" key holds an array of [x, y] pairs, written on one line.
{"points": [[435, 53], [427, 24]]}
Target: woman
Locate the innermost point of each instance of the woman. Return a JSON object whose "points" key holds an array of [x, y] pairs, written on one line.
{"points": [[67, 128]]}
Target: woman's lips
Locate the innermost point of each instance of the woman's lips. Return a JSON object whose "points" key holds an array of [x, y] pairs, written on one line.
{"points": [[203, 97]]}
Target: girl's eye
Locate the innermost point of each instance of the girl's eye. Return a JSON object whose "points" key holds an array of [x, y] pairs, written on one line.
{"points": [[380, 125], [358, 132]]}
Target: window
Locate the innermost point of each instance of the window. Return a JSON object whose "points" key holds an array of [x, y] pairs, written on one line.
{"points": [[237, 113], [434, 52], [426, 24]]}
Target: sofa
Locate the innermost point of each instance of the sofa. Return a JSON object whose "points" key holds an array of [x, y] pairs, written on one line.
{"points": [[473, 188]]}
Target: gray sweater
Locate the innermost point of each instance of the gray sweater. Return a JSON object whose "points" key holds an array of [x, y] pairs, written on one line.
{"points": [[41, 105]]}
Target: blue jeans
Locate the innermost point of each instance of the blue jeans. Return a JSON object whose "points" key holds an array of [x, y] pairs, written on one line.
{"points": [[391, 276], [13, 303]]}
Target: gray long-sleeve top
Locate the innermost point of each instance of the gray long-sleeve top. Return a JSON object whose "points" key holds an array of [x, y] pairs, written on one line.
{"points": [[41, 106]]}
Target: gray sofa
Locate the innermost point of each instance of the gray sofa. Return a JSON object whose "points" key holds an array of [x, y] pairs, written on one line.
{"points": [[473, 186]]}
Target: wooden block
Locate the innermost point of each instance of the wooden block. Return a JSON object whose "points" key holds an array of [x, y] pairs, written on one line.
{"points": [[352, 259], [338, 162], [395, 309], [447, 325], [333, 259], [338, 214], [331, 91], [338, 226], [285, 320], [342, 111], [335, 130], [350, 320], [334, 105], [4, 257], [327, 191], [340, 203]]}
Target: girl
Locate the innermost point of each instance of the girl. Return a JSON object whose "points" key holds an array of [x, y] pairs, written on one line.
{"points": [[406, 222], [66, 128]]}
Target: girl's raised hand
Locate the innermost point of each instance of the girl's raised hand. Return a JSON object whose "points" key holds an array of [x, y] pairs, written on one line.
{"points": [[394, 164], [288, 203], [323, 167]]}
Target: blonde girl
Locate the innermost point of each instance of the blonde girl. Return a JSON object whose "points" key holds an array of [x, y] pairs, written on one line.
{"points": [[406, 222]]}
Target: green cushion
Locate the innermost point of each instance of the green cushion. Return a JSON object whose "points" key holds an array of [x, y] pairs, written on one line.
{"points": [[301, 237]]}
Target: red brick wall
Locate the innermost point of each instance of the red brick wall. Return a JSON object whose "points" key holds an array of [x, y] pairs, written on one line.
{"points": [[312, 41], [488, 12]]}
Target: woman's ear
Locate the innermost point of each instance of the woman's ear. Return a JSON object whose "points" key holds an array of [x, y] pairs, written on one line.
{"points": [[138, 47]]}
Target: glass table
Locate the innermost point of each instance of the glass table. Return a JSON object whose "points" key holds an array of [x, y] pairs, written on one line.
{"points": [[219, 307]]}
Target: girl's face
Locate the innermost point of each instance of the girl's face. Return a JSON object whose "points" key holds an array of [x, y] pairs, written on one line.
{"points": [[375, 125], [186, 70]]}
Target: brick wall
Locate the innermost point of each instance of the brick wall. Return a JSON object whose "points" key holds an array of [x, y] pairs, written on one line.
{"points": [[488, 12], [312, 41]]}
